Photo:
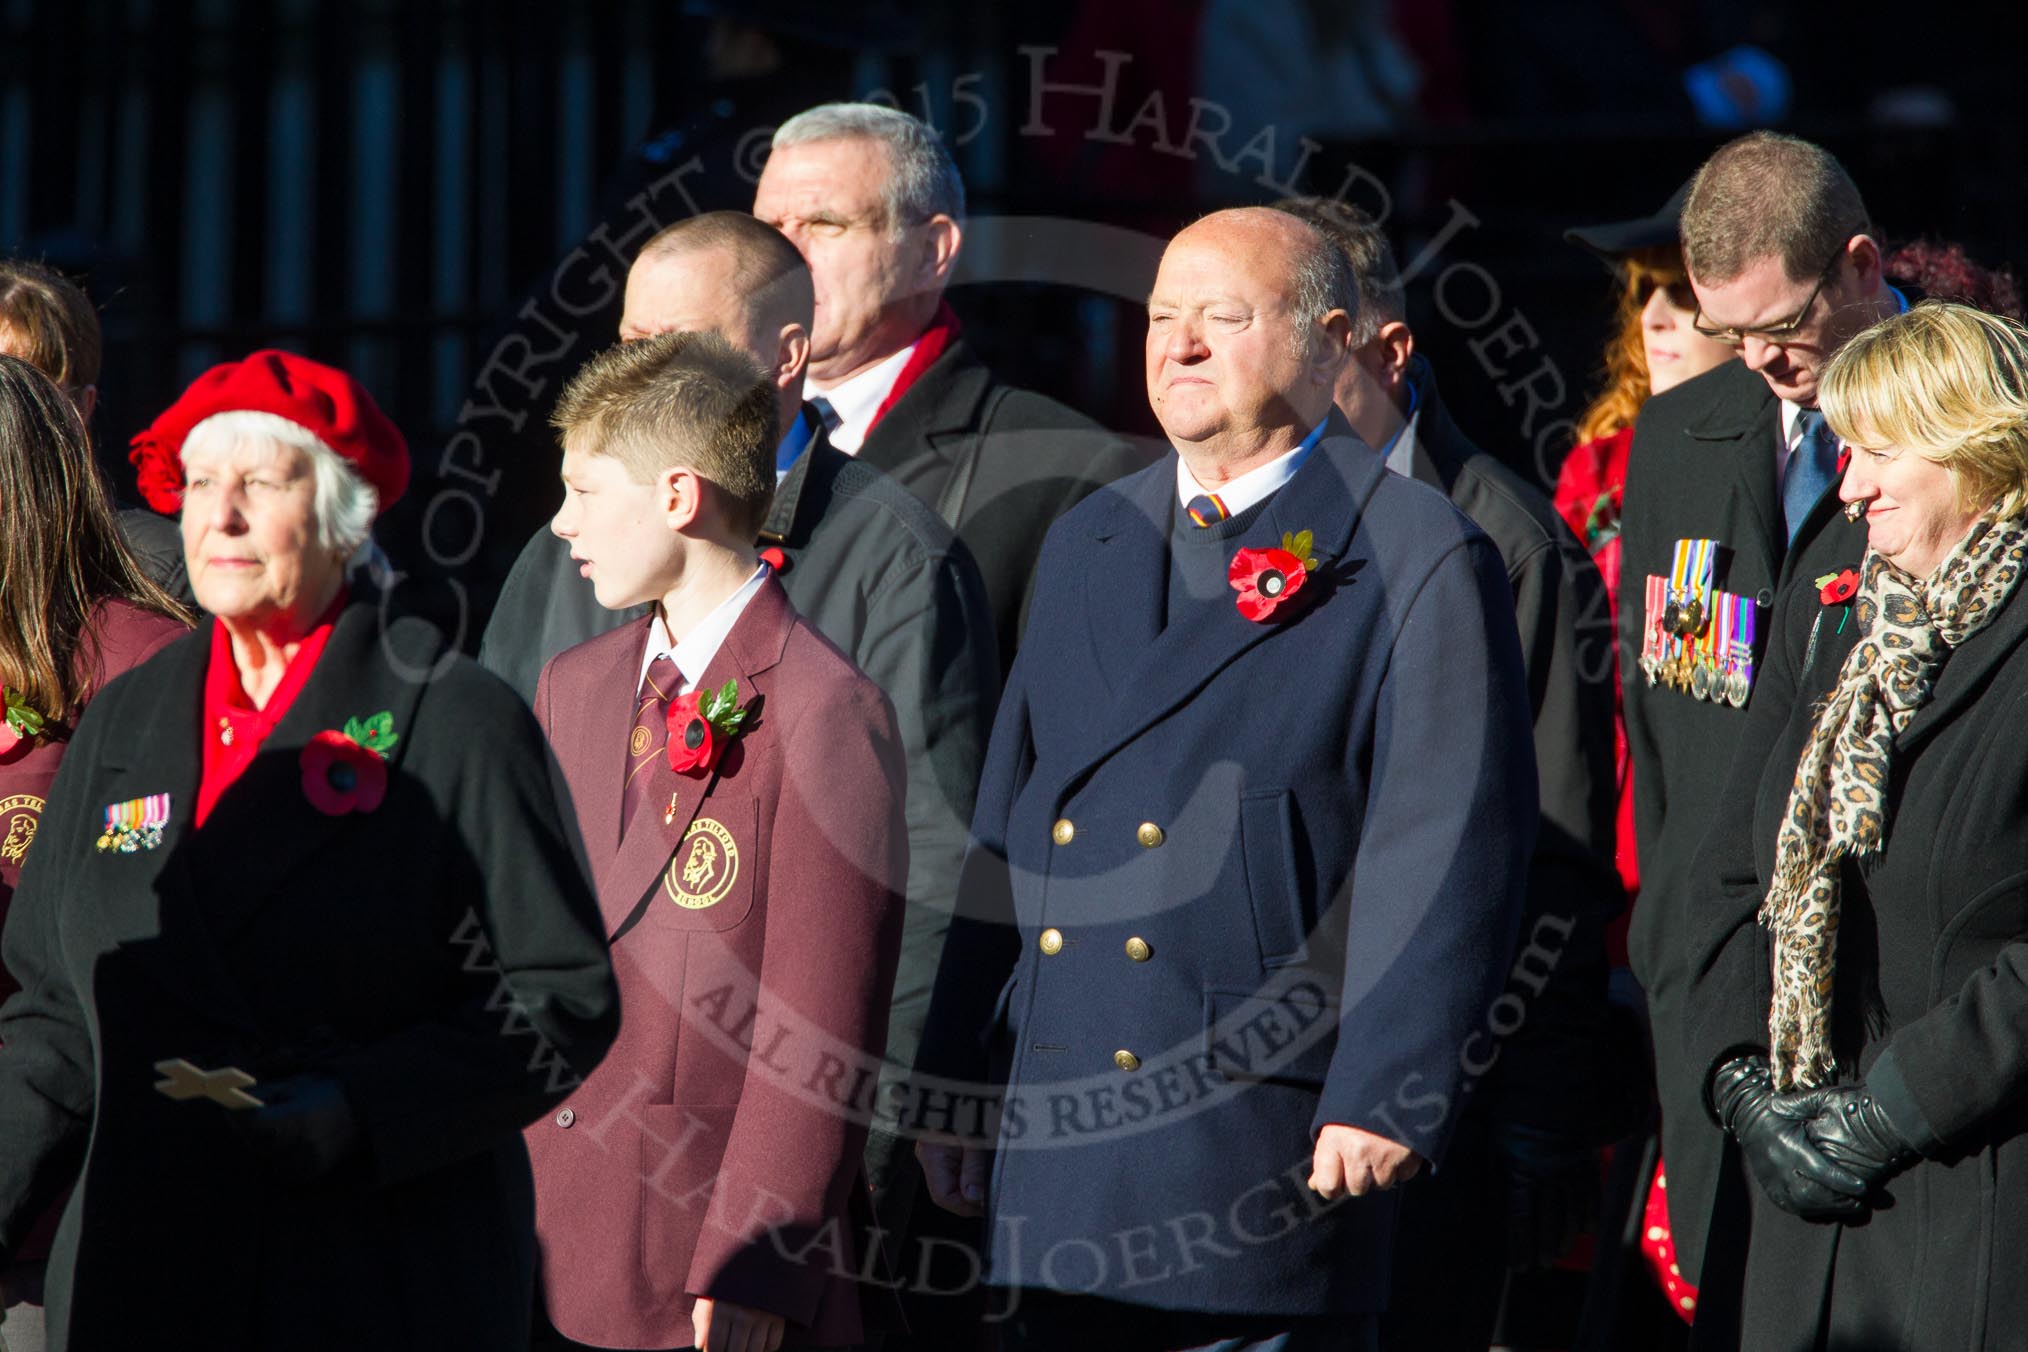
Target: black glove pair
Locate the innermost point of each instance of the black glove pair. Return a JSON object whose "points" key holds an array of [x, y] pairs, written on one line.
{"points": [[1552, 1192], [1816, 1152], [304, 1129]]}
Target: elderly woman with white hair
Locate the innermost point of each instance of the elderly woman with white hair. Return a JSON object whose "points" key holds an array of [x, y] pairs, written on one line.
{"points": [[303, 941], [1862, 998]]}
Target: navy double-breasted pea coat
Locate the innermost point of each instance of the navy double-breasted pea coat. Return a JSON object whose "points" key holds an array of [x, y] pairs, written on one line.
{"points": [[1233, 881]]}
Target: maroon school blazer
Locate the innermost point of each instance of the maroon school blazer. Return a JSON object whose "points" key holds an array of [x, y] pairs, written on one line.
{"points": [[755, 918]]}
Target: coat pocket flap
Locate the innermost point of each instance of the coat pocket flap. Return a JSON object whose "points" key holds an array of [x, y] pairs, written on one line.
{"points": [[1286, 1035]]}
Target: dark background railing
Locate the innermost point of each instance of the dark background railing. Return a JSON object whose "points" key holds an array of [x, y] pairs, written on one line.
{"points": [[398, 187]]}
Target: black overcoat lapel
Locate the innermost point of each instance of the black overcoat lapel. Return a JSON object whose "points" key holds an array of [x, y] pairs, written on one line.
{"points": [[163, 755], [935, 414], [263, 829], [265, 824]]}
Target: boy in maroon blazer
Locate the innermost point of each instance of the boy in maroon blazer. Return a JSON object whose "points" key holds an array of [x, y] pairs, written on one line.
{"points": [[738, 786]]}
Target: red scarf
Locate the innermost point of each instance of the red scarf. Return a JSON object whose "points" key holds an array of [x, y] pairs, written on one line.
{"points": [[941, 333], [233, 729]]}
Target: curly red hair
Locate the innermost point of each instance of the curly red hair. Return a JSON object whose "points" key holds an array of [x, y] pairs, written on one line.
{"points": [[1946, 272]]}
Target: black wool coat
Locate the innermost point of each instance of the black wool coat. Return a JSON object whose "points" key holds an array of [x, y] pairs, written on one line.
{"points": [[1703, 466], [440, 956], [1548, 1074], [1929, 1005], [998, 464]]}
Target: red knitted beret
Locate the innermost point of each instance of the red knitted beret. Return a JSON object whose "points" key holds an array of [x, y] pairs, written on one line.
{"points": [[322, 399]]}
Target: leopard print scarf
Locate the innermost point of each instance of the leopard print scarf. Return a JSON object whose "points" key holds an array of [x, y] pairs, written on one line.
{"points": [[1838, 806]]}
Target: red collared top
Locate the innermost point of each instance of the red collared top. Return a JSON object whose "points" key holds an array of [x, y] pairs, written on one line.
{"points": [[233, 728]]}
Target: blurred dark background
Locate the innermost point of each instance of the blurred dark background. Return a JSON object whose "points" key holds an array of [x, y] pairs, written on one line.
{"points": [[437, 194]]}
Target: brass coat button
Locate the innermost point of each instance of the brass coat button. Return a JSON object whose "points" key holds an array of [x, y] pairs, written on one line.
{"points": [[1138, 950], [1150, 835], [566, 1117], [1063, 832], [1126, 1060], [1051, 942]]}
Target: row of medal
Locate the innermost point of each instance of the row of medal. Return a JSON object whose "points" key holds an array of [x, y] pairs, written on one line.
{"points": [[1698, 639]]}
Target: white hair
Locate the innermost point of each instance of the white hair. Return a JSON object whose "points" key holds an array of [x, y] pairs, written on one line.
{"points": [[344, 505], [924, 180]]}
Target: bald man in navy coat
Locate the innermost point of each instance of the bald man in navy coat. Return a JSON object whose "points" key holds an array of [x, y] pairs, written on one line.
{"points": [[1249, 852]]}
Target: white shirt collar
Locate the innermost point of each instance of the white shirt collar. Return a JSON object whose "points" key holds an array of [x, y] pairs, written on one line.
{"points": [[693, 652], [856, 399], [1257, 484], [1791, 428]]}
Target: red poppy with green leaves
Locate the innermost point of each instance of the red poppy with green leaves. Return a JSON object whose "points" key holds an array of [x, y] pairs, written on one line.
{"points": [[346, 771], [701, 724], [1838, 588], [1267, 579], [20, 724]]}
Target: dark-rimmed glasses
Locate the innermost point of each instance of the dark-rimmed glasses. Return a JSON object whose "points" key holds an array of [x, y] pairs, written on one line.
{"points": [[1774, 334]]}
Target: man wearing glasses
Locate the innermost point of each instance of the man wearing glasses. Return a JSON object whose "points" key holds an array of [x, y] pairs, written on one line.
{"points": [[1783, 261]]}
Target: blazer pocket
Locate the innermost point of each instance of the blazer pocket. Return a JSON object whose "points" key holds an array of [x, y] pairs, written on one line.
{"points": [[1287, 1038], [681, 1149], [708, 883], [1267, 831]]}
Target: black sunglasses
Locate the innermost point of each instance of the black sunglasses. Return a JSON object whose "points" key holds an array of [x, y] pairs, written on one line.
{"points": [[1679, 293]]}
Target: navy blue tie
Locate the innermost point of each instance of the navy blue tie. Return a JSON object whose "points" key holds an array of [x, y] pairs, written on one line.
{"points": [[1812, 468], [825, 413]]}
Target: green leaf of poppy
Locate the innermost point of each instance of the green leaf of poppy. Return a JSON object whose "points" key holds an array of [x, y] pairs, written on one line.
{"points": [[381, 726], [356, 730]]}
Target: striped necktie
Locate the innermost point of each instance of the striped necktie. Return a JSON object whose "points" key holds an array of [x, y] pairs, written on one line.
{"points": [[650, 734], [1207, 509]]}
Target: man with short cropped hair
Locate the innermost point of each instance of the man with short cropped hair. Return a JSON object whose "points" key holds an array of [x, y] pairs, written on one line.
{"points": [[1729, 493], [873, 200]]}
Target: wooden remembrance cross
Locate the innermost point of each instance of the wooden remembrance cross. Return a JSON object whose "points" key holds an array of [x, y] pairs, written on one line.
{"points": [[225, 1087]]}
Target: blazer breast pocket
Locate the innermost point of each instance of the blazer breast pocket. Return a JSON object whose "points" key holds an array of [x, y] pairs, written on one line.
{"points": [[708, 883], [1267, 830]]}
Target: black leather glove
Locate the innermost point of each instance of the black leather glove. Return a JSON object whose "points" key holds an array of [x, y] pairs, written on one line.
{"points": [[304, 1128], [1852, 1129], [1552, 1192], [1772, 1132]]}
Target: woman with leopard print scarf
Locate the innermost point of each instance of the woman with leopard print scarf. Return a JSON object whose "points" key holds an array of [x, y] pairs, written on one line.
{"points": [[1863, 988]]}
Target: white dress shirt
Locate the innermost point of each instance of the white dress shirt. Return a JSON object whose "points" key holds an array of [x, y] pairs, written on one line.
{"points": [[856, 399], [693, 652], [1256, 484]]}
